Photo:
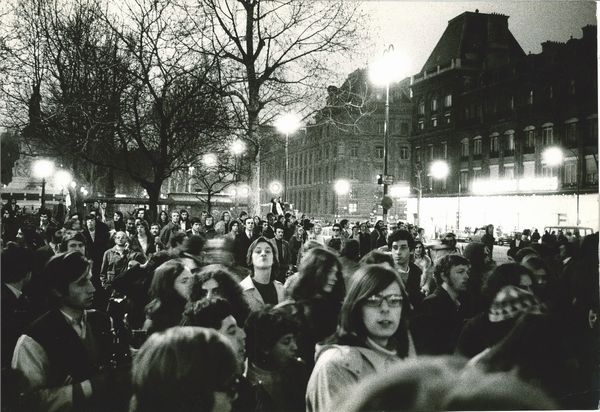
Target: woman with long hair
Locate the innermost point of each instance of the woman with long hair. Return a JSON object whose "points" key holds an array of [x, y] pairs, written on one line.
{"points": [[118, 223], [260, 286], [424, 263], [258, 223], [169, 292], [372, 335], [318, 293], [219, 281], [163, 218], [296, 241]]}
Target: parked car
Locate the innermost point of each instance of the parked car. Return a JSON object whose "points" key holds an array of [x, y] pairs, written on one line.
{"points": [[506, 238], [477, 235]]}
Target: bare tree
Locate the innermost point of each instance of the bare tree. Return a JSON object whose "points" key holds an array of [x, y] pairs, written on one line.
{"points": [[123, 91], [275, 54]]}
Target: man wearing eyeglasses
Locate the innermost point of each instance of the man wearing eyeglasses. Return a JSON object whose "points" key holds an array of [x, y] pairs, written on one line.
{"points": [[401, 244], [438, 324]]}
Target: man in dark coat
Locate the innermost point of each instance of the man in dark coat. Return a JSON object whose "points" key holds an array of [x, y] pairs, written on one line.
{"points": [[64, 356], [243, 241], [437, 325], [401, 244], [97, 239], [17, 264]]}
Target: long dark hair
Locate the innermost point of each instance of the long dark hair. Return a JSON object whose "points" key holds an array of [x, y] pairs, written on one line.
{"points": [[368, 281], [314, 268], [166, 305]]}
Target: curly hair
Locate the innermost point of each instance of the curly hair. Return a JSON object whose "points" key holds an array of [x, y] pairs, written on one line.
{"points": [[264, 328], [229, 289]]}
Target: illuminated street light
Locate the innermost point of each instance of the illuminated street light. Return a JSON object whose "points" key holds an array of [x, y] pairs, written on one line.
{"points": [[439, 169], [209, 160], [73, 184], [63, 179], [237, 147], [243, 191], [555, 156], [275, 188], [341, 187], [390, 68], [287, 123], [42, 169]]}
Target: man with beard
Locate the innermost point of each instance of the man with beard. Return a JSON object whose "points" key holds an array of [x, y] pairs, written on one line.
{"points": [[437, 325]]}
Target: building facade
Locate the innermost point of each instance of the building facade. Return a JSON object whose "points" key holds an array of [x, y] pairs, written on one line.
{"points": [[490, 111], [344, 141]]}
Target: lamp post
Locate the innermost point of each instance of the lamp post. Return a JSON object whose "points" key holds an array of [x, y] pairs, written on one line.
{"points": [[418, 171], [42, 169], [287, 123], [388, 69], [341, 188], [554, 156]]}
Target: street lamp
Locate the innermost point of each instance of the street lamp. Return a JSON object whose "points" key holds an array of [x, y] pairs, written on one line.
{"points": [[237, 148], [42, 169], [439, 169], [209, 160], [554, 156], [388, 69], [287, 123], [275, 187], [341, 188]]}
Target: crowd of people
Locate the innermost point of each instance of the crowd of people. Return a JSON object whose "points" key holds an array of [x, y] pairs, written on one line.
{"points": [[220, 313]]}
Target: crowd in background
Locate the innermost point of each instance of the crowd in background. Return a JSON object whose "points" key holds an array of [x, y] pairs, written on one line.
{"points": [[219, 313]]}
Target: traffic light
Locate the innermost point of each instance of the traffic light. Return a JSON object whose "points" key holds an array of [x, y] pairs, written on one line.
{"points": [[379, 179]]}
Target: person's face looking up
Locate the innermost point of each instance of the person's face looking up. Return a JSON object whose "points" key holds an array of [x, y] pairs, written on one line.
{"points": [[262, 256]]}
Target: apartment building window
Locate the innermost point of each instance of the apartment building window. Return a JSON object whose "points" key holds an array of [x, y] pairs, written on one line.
{"points": [[571, 133], [509, 149], [448, 118], [353, 173], [477, 146], [511, 102], [417, 154], [352, 207], [548, 135], [354, 151], [550, 92], [529, 169], [422, 107], [430, 151], [509, 171], [529, 144], [572, 87], [448, 100], [434, 121], [591, 170], [570, 172], [434, 104], [464, 148], [494, 147], [494, 171], [548, 171], [464, 180], [404, 153], [445, 150], [476, 173], [530, 97], [379, 152], [421, 124]]}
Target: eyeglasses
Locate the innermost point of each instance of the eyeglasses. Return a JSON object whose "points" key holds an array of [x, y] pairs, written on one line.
{"points": [[375, 301]]}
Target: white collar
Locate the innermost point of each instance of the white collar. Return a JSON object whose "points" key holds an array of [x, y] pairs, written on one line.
{"points": [[14, 290]]}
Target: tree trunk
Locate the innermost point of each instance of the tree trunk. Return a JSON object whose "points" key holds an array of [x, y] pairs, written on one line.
{"points": [[153, 190], [253, 136], [109, 191]]}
